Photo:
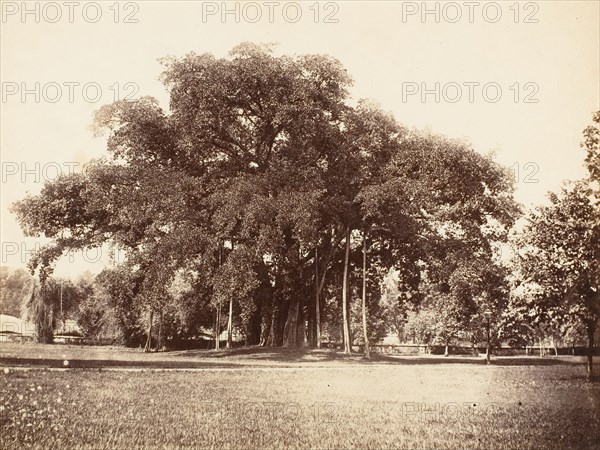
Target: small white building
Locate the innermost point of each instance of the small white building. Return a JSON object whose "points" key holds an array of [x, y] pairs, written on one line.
{"points": [[12, 327]]}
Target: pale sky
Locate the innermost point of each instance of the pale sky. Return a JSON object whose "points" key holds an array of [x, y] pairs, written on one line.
{"points": [[550, 56]]}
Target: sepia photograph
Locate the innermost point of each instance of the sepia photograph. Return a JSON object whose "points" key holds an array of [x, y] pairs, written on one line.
{"points": [[300, 224]]}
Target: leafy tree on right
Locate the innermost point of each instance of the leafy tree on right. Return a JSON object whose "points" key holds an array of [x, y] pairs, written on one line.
{"points": [[557, 254]]}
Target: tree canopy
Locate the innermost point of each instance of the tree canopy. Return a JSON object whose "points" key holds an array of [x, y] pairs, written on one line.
{"points": [[257, 186]]}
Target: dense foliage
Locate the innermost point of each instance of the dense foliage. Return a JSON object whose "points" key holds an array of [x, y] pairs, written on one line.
{"points": [[245, 206]]}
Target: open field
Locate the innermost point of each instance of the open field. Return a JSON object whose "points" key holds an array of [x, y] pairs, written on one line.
{"points": [[258, 399]]}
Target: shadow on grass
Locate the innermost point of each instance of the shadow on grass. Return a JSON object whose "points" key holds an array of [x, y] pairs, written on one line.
{"points": [[255, 353], [110, 363], [272, 357]]}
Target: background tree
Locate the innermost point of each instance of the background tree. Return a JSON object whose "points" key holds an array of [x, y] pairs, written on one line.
{"points": [[591, 144], [557, 282], [50, 303], [15, 287], [557, 259]]}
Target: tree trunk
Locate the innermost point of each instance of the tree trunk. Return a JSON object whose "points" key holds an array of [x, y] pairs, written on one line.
{"points": [[271, 338], [317, 298], [215, 329], [364, 298], [43, 315], [218, 319], [290, 329], [446, 352], [346, 328], [294, 326], [218, 329], [149, 338], [230, 318], [160, 325], [265, 325], [311, 330], [301, 331], [590, 328], [230, 324]]}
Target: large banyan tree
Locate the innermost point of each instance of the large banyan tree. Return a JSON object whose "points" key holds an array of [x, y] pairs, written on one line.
{"points": [[263, 189]]}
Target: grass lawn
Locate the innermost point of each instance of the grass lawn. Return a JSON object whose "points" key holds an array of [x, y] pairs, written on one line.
{"points": [[259, 399]]}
